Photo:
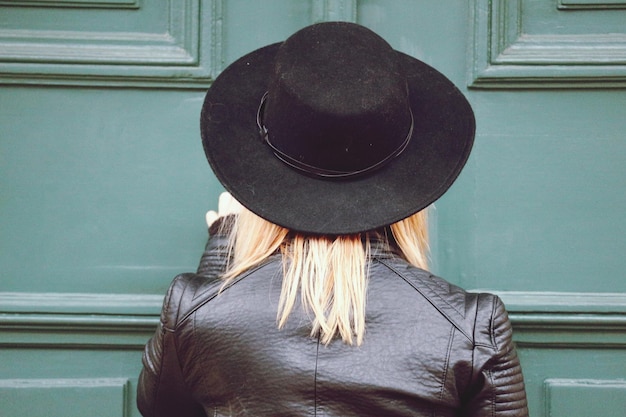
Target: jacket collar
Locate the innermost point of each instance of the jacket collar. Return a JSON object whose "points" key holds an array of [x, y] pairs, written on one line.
{"points": [[381, 249]]}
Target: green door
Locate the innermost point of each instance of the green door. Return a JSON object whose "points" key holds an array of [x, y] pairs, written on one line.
{"points": [[104, 186]]}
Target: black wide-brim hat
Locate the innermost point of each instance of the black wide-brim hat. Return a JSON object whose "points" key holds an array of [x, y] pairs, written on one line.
{"points": [[334, 132]]}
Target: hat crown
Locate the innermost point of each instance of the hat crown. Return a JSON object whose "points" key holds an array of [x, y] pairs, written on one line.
{"points": [[337, 99], [330, 87]]}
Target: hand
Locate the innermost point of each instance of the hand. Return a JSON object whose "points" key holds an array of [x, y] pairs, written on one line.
{"points": [[226, 205]]}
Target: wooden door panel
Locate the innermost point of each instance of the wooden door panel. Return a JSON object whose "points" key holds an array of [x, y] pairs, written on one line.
{"points": [[103, 183]]}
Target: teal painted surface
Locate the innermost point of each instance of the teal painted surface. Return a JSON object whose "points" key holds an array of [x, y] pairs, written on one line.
{"points": [[585, 397], [43, 398], [160, 43], [103, 190], [56, 381], [104, 186], [547, 370], [252, 26], [541, 206]]}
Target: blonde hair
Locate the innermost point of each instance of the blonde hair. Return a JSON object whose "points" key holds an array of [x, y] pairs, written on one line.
{"points": [[328, 272]]}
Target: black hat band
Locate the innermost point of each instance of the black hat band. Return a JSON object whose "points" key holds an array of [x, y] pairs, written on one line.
{"points": [[322, 172]]}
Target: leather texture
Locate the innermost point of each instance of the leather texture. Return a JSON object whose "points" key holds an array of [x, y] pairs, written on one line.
{"points": [[430, 349]]}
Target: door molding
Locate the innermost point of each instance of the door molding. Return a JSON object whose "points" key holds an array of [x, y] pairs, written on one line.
{"points": [[504, 54], [187, 54], [540, 319]]}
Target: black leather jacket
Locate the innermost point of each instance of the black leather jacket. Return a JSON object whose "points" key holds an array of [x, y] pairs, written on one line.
{"points": [[430, 349]]}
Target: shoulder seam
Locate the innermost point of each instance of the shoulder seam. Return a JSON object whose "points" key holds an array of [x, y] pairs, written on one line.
{"points": [[490, 301], [435, 305], [199, 301], [170, 323]]}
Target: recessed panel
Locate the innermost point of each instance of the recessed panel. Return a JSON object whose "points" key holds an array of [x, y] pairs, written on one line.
{"points": [[543, 44], [73, 3], [592, 4], [62, 397], [123, 42], [576, 397]]}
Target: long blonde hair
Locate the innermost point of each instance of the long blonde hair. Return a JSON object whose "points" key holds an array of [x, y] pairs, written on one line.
{"points": [[328, 272]]}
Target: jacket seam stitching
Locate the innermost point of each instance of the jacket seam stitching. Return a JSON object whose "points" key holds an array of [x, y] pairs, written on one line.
{"points": [[174, 341], [428, 298], [315, 377], [166, 330], [493, 393], [231, 284], [492, 326], [447, 363], [155, 389], [492, 336], [426, 283]]}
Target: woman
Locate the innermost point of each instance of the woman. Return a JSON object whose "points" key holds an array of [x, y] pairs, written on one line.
{"points": [[314, 298]]}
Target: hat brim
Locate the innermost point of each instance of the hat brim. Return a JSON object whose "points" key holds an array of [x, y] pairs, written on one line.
{"points": [[443, 135]]}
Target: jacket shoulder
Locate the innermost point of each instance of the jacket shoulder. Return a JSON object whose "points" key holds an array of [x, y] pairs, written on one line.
{"points": [[460, 307], [182, 295], [190, 291]]}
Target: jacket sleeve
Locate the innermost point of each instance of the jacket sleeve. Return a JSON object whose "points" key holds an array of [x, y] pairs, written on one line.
{"points": [[216, 257], [498, 385], [161, 390]]}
